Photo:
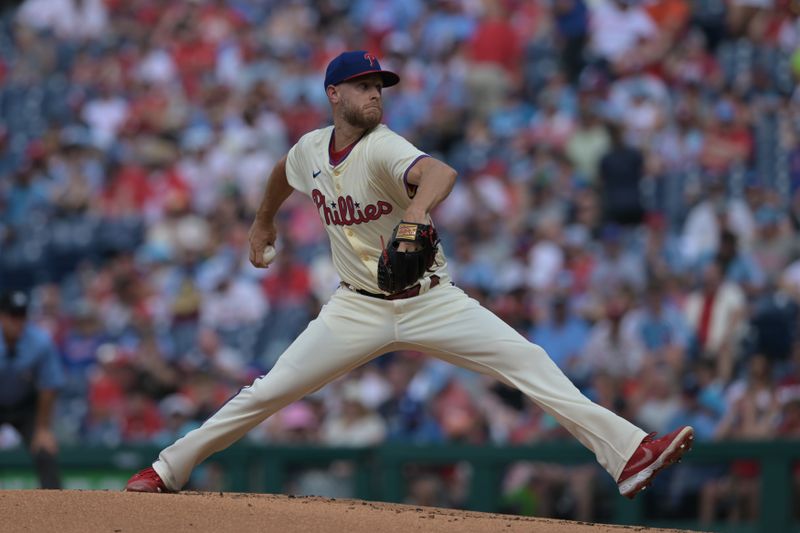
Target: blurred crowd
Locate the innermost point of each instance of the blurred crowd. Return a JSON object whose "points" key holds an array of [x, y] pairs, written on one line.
{"points": [[628, 198]]}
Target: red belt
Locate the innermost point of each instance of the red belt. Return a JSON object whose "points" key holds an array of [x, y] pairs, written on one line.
{"points": [[407, 293]]}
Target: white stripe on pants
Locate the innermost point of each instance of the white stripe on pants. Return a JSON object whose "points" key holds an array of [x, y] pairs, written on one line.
{"points": [[352, 329]]}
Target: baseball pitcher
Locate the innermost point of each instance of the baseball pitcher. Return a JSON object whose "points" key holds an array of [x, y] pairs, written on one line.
{"points": [[374, 191]]}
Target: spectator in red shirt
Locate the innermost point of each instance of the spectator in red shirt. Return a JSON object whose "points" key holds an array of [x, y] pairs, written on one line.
{"points": [[495, 53], [288, 283], [126, 192], [142, 420], [495, 41], [301, 117], [728, 141], [194, 56]]}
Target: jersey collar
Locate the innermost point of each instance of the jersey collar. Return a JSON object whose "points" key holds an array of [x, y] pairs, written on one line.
{"points": [[337, 158]]}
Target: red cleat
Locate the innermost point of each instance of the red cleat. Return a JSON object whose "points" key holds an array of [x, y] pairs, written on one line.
{"points": [[146, 480], [651, 457]]}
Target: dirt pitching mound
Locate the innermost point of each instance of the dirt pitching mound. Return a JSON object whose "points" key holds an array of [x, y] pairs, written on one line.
{"points": [[77, 511]]}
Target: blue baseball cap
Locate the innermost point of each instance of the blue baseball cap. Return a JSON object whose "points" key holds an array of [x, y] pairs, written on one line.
{"points": [[349, 65]]}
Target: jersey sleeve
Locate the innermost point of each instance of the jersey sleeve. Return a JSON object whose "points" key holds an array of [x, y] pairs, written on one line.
{"points": [[295, 174], [392, 156]]}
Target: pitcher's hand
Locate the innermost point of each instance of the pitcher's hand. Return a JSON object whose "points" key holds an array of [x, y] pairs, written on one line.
{"points": [[260, 236]]}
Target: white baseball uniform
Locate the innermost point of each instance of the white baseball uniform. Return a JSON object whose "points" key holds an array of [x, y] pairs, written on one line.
{"points": [[360, 200]]}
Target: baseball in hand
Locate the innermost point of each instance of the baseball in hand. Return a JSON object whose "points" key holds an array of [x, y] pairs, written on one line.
{"points": [[269, 254]]}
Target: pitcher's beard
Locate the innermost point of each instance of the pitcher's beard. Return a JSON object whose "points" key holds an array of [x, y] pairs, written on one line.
{"points": [[359, 119]]}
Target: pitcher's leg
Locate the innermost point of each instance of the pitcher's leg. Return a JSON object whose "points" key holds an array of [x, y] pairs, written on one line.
{"points": [[331, 345], [457, 328]]}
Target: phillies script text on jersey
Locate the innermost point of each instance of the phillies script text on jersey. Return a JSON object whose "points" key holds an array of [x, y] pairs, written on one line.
{"points": [[348, 212]]}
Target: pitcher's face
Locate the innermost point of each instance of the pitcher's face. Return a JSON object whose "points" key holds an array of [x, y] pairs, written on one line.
{"points": [[360, 101]]}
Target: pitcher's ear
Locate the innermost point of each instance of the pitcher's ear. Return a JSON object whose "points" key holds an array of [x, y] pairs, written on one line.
{"points": [[333, 93]]}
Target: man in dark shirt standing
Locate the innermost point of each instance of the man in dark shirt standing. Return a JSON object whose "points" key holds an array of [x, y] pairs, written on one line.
{"points": [[30, 376], [621, 173]]}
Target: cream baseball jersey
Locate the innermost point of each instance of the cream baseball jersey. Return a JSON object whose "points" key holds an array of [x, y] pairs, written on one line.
{"points": [[360, 200]]}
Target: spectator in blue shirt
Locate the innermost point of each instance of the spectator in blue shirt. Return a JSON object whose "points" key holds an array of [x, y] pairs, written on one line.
{"points": [[563, 335], [662, 327], [572, 25], [30, 376], [26, 195], [696, 409]]}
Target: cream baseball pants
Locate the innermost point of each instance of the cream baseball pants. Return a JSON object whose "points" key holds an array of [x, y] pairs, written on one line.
{"points": [[444, 322]]}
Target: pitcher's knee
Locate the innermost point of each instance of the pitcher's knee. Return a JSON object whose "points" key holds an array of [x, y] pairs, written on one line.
{"points": [[272, 394], [530, 352], [540, 355], [529, 357], [538, 351]]}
